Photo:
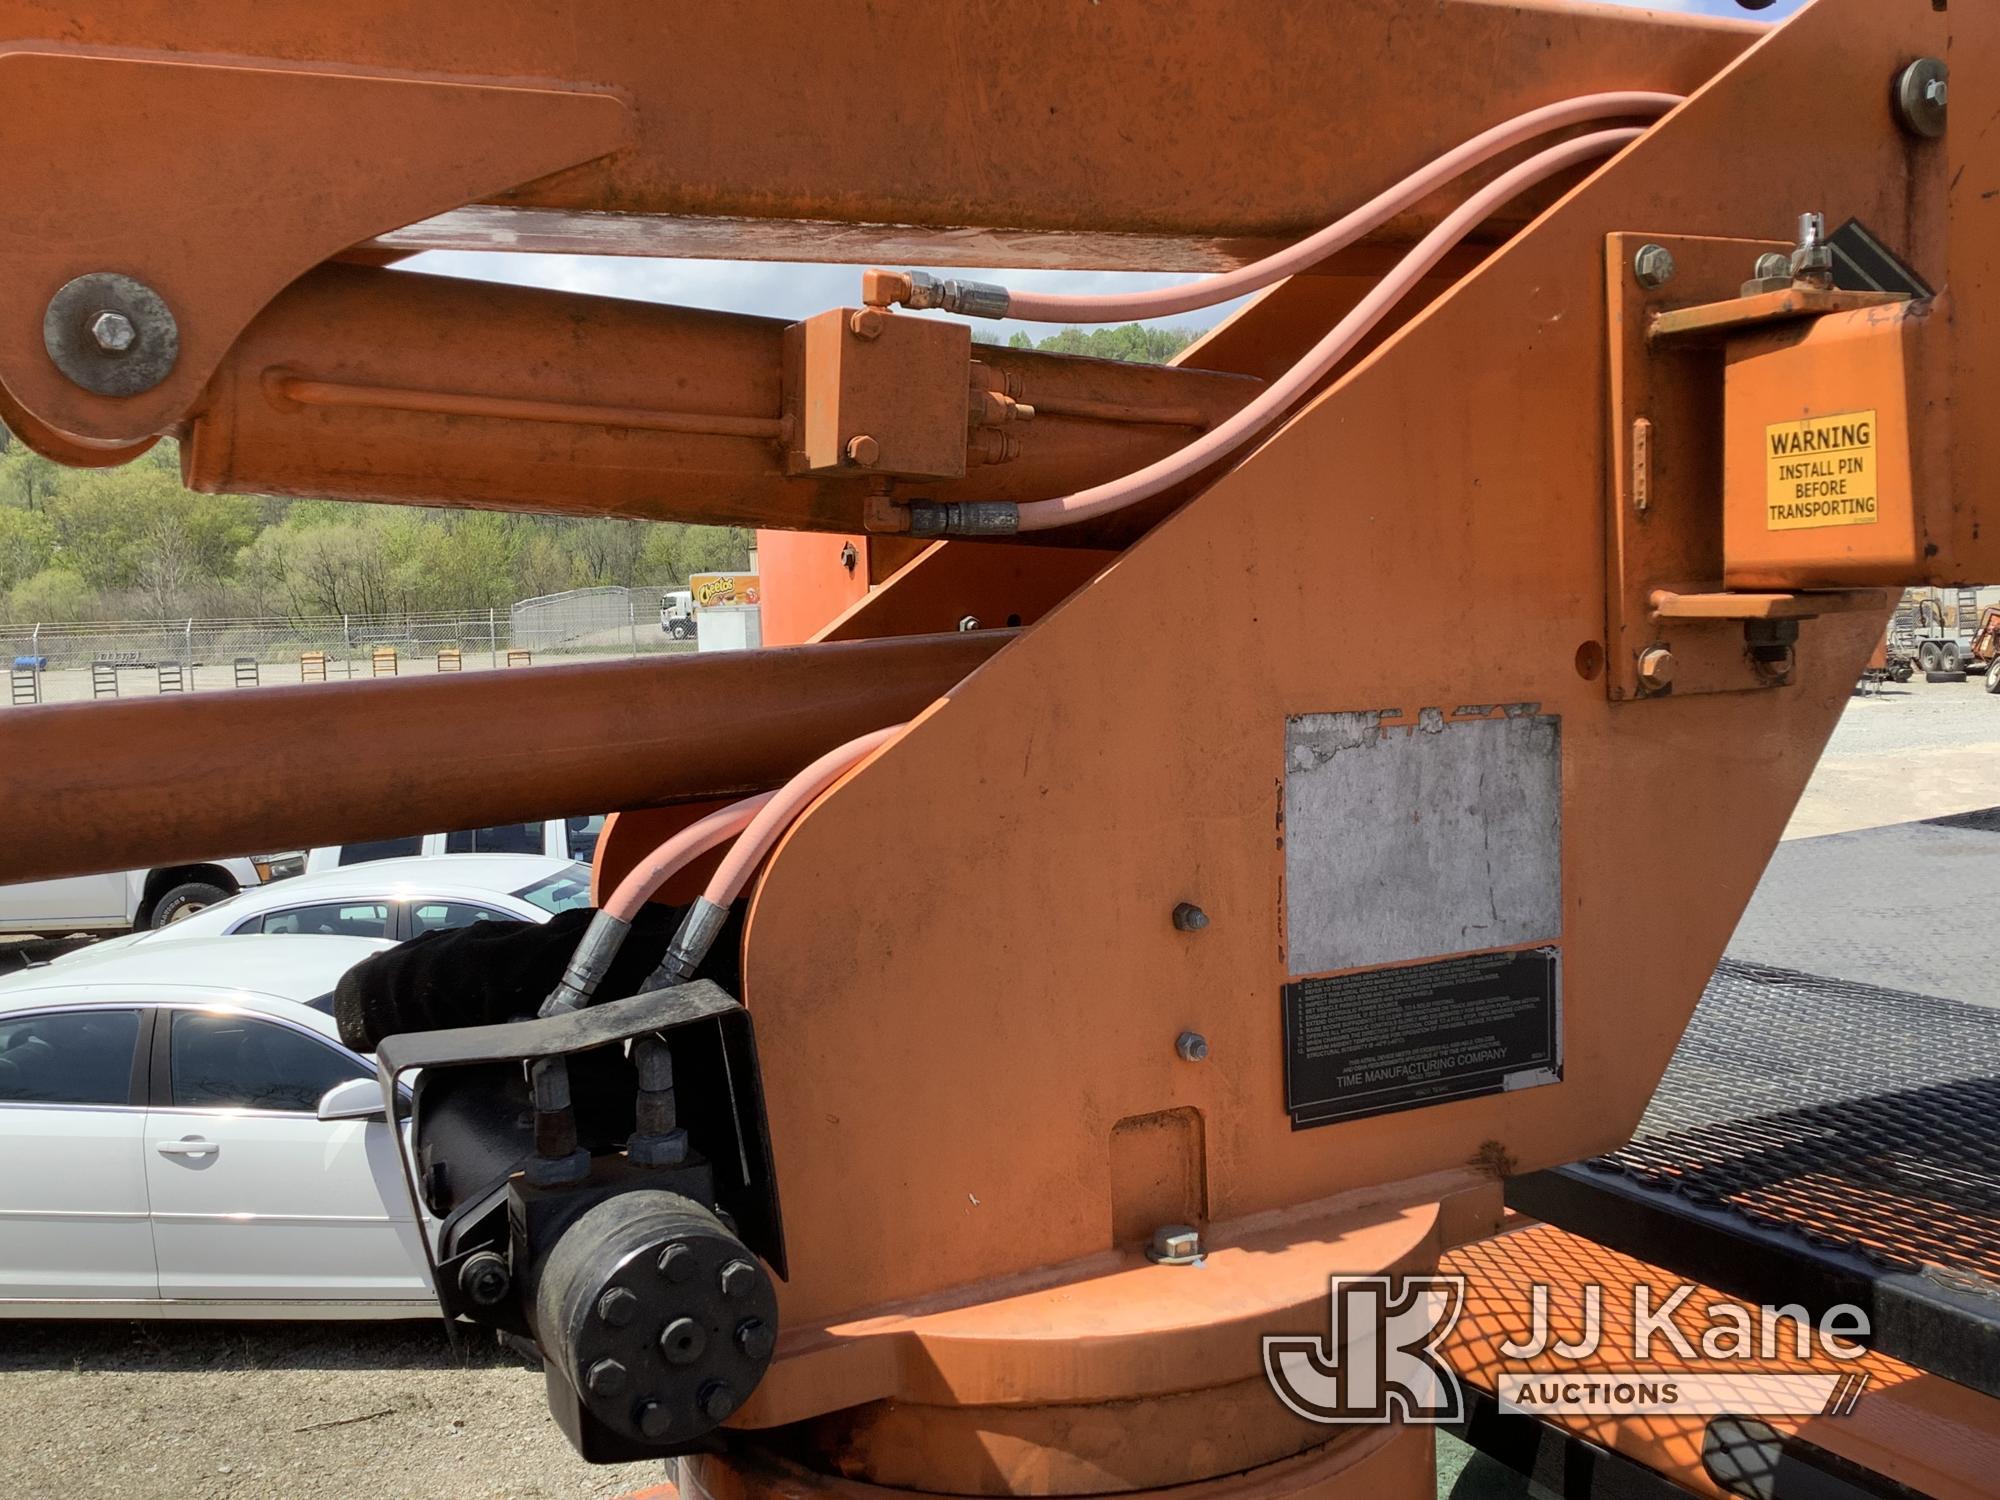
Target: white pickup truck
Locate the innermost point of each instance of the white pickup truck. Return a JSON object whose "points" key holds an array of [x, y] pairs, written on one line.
{"points": [[129, 900]]}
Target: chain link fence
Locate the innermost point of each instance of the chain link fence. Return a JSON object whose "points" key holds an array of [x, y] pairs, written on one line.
{"points": [[71, 661]]}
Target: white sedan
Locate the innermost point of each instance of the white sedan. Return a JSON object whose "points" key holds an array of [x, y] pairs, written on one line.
{"points": [[389, 898], [185, 1136]]}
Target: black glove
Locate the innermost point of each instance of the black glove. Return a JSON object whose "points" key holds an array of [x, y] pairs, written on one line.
{"points": [[503, 971]]}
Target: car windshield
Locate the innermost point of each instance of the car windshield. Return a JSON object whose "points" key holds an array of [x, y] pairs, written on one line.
{"points": [[566, 890]]}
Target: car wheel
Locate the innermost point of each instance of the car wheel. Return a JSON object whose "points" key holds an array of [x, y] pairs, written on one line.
{"points": [[1948, 657], [1993, 676], [185, 901], [680, 630], [1927, 656]]}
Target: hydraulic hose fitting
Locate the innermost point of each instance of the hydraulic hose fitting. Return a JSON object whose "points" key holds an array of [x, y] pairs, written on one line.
{"points": [[964, 518], [976, 299], [587, 965], [691, 943]]}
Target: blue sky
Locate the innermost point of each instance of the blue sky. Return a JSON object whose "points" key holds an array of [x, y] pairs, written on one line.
{"points": [[788, 290]]}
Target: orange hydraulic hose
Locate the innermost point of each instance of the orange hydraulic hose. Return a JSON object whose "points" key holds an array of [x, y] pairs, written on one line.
{"points": [[785, 804], [693, 841], [1044, 515], [1061, 307]]}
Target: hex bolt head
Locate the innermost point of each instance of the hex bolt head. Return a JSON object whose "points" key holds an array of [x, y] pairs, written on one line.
{"points": [[1189, 918], [1773, 264], [1653, 265], [1656, 669], [863, 450], [1923, 98], [677, 1263], [655, 1419], [606, 1378], [717, 1401], [739, 1279], [618, 1307], [868, 323], [1175, 1245], [754, 1338], [1192, 1046], [682, 1341], [113, 332], [968, 623]]}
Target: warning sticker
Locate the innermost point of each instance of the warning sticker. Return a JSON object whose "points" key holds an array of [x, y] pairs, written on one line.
{"points": [[1820, 472]]}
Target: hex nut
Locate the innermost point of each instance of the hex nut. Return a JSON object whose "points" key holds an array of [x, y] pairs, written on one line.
{"points": [[677, 1263], [656, 1419], [1656, 669], [1192, 1046], [754, 1338], [739, 1279], [618, 1307], [1923, 98], [1654, 266], [868, 323], [1175, 1245], [113, 332], [606, 1378], [863, 450], [717, 1400]]}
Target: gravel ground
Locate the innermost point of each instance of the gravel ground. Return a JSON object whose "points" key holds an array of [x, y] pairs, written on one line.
{"points": [[251, 1410], [1915, 751]]}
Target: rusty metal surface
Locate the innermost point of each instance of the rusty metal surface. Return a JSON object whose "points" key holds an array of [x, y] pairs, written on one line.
{"points": [[113, 786]]}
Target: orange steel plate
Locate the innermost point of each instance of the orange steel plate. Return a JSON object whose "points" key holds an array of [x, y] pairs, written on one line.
{"points": [[986, 902]]}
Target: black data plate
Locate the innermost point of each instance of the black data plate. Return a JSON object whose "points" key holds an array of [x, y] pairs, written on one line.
{"points": [[1389, 1039]]}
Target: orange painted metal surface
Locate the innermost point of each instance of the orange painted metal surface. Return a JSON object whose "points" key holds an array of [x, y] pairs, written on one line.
{"points": [[1111, 763], [331, 762], [1098, 121], [1939, 1439], [157, 175], [1382, 1463], [372, 384], [1874, 508]]}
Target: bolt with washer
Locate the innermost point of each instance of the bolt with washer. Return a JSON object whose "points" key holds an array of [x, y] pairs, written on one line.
{"points": [[1175, 1245], [1654, 266], [863, 450], [1656, 669], [1189, 918], [1192, 1046], [113, 332]]}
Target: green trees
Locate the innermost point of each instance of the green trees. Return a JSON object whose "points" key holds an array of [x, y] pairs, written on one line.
{"points": [[1134, 342], [130, 543]]}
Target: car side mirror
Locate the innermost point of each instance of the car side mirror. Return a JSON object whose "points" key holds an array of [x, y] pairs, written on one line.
{"points": [[356, 1099]]}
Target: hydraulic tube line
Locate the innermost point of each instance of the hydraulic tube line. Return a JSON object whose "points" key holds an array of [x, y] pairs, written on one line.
{"points": [[931, 518], [705, 918], [981, 299]]}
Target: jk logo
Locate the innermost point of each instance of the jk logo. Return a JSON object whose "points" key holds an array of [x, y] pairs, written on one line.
{"points": [[1380, 1361]]}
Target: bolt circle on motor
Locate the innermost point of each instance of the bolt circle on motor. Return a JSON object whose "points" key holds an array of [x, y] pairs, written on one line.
{"points": [[658, 1287]]}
